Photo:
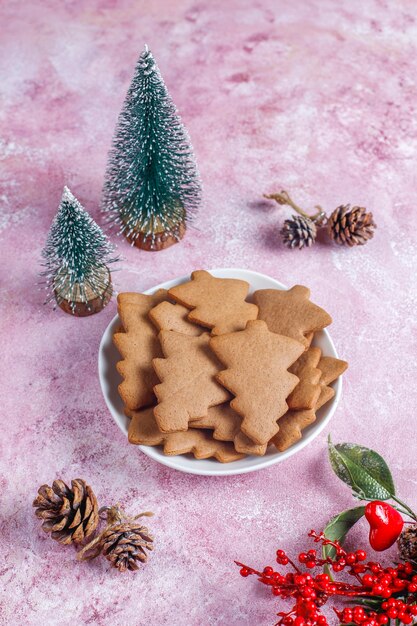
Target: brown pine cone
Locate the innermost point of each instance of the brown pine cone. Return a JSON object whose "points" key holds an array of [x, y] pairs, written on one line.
{"points": [[351, 226], [407, 543], [298, 232], [70, 515], [124, 544]]}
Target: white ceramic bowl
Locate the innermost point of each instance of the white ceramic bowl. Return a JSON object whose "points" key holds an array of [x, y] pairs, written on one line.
{"points": [[110, 379]]}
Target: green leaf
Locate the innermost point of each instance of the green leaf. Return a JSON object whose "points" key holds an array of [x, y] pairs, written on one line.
{"points": [[339, 526], [363, 469]]}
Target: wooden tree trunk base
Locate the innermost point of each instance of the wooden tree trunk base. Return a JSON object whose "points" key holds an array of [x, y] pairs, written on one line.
{"points": [[84, 309], [160, 242]]}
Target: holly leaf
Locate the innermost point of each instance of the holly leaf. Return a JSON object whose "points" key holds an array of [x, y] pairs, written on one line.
{"points": [[339, 526], [363, 469]]}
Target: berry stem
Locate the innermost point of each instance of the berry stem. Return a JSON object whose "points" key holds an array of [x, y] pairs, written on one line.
{"points": [[410, 512]]}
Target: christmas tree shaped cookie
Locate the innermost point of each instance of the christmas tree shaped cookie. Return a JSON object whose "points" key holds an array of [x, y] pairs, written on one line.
{"points": [[222, 420], [307, 392], [143, 430], [245, 445], [257, 361], [291, 313], [188, 385], [168, 316], [331, 369], [326, 394], [217, 303], [291, 427], [138, 345]]}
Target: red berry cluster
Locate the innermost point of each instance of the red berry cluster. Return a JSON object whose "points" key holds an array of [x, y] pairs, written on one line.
{"points": [[393, 589]]}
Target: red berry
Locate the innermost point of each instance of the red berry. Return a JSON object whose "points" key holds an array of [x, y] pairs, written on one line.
{"points": [[387, 592], [276, 591], [323, 578], [361, 555], [399, 583], [392, 613], [280, 554], [302, 557], [299, 621], [383, 619], [351, 558], [244, 572], [359, 569], [413, 609]]}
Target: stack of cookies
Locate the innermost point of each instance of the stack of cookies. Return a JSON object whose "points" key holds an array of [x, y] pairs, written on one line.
{"points": [[209, 373]]}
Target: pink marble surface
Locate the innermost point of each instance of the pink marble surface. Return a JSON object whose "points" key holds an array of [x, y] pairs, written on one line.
{"points": [[316, 96]]}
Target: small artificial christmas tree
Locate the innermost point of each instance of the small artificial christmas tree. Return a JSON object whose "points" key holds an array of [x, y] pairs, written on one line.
{"points": [[75, 257], [152, 185]]}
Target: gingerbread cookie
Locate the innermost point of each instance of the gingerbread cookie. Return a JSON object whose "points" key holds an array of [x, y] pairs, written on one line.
{"points": [[138, 345], [307, 392], [331, 369], [294, 422], [309, 339], [291, 313], [291, 427], [188, 385], [168, 316], [257, 361], [326, 394], [222, 420], [246, 446], [217, 303], [144, 430]]}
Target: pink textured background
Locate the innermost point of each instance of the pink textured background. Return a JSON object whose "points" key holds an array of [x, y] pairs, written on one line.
{"points": [[315, 96]]}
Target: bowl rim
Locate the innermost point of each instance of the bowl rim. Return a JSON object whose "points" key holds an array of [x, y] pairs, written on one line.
{"points": [[223, 469]]}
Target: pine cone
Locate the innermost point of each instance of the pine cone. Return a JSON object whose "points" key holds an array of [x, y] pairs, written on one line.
{"points": [[70, 515], [124, 544], [298, 232], [351, 226], [407, 543]]}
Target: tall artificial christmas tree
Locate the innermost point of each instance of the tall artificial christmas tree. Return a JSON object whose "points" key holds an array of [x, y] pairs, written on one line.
{"points": [[152, 186], [75, 258]]}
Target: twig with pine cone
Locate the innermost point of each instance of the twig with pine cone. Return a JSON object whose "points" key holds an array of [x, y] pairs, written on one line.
{"points": [[351, 226], [71, 516]]}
